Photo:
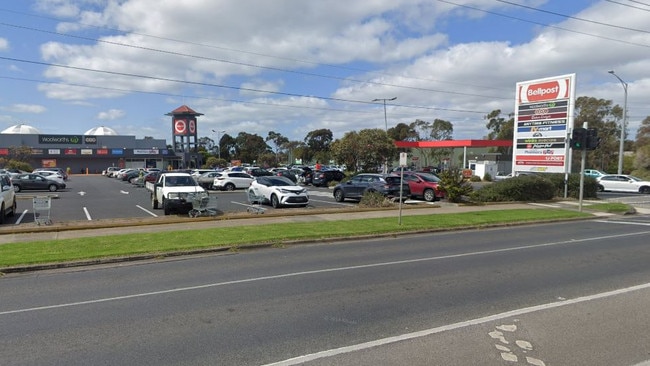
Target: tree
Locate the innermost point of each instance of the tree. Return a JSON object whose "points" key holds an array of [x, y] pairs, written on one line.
{"points": [[500, 129], [599, 114], [402, 132], [279, 141], [250, 147], [346, 150], [318, 143]]}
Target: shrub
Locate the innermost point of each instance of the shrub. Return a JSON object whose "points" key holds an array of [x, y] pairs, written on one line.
{"points": [[487, 177], [375, 199], [522, 188], [475, 178], [454, 185]]}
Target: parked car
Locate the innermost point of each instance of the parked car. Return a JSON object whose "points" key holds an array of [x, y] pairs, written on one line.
{"points": [[292, 174], [108, 172], [622, 183], [58, 170], [387, 184], [32, 181], [229, 181], [593, 173], [259, 172], [322, 178], [424, 185], [7, 197], [206, 180], [278, 192], [50, 175]]}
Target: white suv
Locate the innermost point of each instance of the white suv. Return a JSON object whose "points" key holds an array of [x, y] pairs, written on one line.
{"points": [[229, 181], [7, 198]]}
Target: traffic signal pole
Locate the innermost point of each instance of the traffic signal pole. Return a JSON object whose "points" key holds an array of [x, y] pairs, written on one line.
{"points": [[583, 159]]}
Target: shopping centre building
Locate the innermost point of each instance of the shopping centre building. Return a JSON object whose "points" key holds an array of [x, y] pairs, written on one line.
{"points": [[101, 147]]}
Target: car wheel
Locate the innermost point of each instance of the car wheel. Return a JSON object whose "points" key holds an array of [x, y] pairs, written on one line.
{"points": [[339, 196], [230, 187], [13, 209], [16, 188], [52, 187], [644, 190], [165, 207], [275, 202], [154, 202], [429, 195], [601, 188]]}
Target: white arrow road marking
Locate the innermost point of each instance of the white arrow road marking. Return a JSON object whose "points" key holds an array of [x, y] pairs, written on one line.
{"points": [[82, 193], [124, 192]]}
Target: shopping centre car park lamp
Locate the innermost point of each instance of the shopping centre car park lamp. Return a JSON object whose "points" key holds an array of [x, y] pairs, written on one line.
{"points": [[218, 142], [384, 100], [623, 123]]}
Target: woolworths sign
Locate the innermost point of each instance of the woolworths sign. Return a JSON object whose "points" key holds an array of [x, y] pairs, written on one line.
{"points": [[67, 139]]}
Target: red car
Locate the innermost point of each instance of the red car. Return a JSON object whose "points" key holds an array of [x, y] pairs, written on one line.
{"points": [[425, 185]]}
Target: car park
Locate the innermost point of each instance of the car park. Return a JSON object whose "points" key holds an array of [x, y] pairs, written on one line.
{"points": [[622, 183], [322, 178], [389, 185], [424, 185], [32, 181], [278, 192], [229, 181]]}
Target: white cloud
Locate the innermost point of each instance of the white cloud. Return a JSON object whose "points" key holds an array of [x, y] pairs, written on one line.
{"points": [[4, 44], [26, 108], [111, 114]]}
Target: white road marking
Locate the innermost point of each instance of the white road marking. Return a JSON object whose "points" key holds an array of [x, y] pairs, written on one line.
{"points": [[21, 217], [623, 222], [87, 214], [124, 192], [81, 193], [326, 270], [147, 211]]}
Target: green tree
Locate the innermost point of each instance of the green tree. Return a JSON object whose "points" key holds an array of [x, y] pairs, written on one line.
{"points": [[279, 141], [250, 147], [318, 144], [500, 128], [601, 115]]}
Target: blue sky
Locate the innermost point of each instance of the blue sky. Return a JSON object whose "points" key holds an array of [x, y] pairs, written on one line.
{"points": [[292, 66]]}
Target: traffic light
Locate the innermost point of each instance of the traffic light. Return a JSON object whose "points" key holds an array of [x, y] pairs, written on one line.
{"points": [[579, 138], [592, 139]]}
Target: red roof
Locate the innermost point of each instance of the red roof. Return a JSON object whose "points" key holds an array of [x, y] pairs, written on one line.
{"points": [[455, 143], [184, 110]]}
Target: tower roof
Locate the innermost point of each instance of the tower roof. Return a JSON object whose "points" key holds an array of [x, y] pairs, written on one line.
{"points": [[183, 110]]}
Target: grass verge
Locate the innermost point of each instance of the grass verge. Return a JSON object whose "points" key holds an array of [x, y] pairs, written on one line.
{"points": [[57, 251]]}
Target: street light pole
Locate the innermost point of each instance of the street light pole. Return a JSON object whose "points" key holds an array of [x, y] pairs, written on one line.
{"points": [[386, 124], [623, 124], [384, 100], [218, 142]]}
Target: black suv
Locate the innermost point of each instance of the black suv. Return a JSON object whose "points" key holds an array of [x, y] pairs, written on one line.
{"points": [[386, 184], [321, 178]]}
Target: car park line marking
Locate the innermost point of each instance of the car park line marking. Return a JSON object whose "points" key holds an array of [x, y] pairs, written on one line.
{"points": [[350, 268], [147, 211], [331, 203], [87, 214], [21, 217], [124, 192]]}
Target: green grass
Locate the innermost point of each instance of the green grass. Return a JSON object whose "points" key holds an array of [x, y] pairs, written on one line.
{"points": [[611, 207], [55, 251]]}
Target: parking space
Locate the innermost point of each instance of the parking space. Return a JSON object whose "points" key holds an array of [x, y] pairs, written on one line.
{"points": [[95, 197]]}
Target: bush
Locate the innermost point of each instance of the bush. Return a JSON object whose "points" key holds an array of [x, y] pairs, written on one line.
{"points": [[573, 185], [454, 185], [375, 199], [487, 177], [475, 178], [522, 188]]}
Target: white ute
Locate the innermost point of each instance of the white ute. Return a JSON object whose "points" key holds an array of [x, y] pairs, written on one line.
{"points": [[172, 190]]}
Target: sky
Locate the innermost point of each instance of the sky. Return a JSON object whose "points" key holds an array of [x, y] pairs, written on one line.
{"points": [[295, 66]]}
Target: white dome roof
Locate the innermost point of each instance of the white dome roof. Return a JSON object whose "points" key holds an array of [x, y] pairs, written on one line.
{"points": [[101, 131], [22, 129]]}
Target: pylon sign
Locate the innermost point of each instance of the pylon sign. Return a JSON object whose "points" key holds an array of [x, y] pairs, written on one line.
{"points": [[543, 116]]}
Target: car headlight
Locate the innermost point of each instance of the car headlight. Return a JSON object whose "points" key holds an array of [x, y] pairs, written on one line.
{"points": [[174, 196]]}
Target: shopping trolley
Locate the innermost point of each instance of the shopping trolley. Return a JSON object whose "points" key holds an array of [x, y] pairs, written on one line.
{"points": [[42, 206], [200, 202], [255, 200]]}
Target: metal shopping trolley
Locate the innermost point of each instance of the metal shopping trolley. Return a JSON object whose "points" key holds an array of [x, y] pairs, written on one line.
{"points": [[255, 200], [200, 205], [42, 206]]}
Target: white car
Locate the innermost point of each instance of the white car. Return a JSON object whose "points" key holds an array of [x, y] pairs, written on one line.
{"points": [[622, 183], [229, 181], [277, 191], [51, 175]]}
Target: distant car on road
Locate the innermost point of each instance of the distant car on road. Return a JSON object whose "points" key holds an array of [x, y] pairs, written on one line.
{"points": [[386, 184], [36, 182], [622, 183], [277, 191]]}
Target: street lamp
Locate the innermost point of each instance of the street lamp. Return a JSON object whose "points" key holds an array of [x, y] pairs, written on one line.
{"points": [[218, 142], [623, 123], [384, 100], [386, 123]]}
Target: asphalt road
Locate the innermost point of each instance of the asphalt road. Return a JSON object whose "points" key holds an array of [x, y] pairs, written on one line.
{"points": [[530, 295]]}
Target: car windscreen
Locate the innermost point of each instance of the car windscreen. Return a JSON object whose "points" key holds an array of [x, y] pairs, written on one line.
{"points": [[429, 178]]}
